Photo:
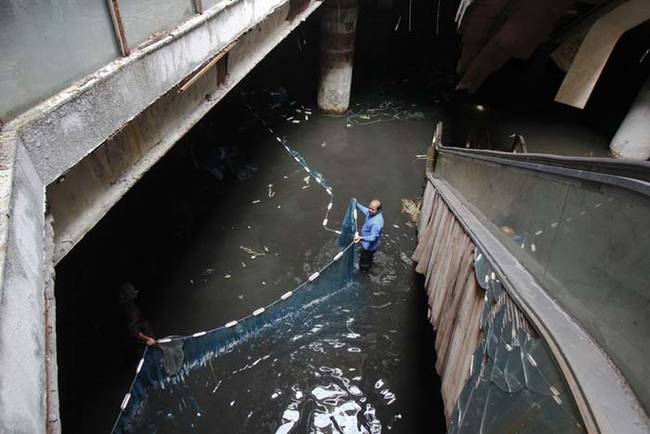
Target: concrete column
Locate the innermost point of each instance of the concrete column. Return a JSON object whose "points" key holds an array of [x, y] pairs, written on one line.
{"points": [[338, 25], [632, 140]]}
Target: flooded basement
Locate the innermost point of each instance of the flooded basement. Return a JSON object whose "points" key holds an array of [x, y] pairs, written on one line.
{"points": [[228, 222]]}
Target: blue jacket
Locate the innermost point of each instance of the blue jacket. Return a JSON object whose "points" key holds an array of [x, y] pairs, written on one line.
{"points": [[371, 230]]}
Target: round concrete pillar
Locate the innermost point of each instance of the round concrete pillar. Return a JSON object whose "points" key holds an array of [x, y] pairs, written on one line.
{"points": [[632, 140], [338, 24]]}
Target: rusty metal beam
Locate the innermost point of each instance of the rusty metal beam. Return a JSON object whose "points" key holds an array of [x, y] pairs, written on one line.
{"points": [[198, 6], [118, 26], [193, 78]]}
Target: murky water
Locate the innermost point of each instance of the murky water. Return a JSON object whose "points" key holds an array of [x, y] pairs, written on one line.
{"points": [[227, 222], [208, 246], [345, 366], [332, 371]]}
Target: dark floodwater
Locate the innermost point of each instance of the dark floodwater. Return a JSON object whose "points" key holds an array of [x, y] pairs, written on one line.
{"points": [[327, 368], [184, 235], [362, 361]]}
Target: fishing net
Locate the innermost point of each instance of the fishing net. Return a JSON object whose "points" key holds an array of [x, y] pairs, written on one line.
{"points": [[171, 364]]}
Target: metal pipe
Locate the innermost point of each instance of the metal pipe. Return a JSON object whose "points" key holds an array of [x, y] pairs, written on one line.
{"points": [[193, 78]]}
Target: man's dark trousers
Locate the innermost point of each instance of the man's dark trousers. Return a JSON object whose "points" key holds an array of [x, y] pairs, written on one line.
{"points": [[365, 260]]}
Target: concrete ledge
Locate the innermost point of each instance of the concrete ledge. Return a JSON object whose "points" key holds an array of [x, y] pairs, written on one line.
{"points": [[92, 187], [61, 131]]}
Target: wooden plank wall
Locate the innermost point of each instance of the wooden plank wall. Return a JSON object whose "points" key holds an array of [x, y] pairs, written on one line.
{"points": [[445, 255]]}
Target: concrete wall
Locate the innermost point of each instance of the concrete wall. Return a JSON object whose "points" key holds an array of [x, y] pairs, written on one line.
{"points": [[22, 329], [97, 182], [104, 132]]}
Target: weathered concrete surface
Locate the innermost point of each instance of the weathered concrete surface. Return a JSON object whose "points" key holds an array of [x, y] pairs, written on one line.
{"points": [[596, 48], [71, 125], [338, 26], [93, 186], [22, 326], [50, 139], [51, 366], [632, 140]]}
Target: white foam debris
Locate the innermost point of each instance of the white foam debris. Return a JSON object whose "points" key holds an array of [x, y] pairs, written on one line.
{"points": [[125, 401], [531, 360], [259, 311], [354, 390]]}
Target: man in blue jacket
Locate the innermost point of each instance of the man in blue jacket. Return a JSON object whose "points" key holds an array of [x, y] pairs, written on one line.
{"points": [[371, 232]]}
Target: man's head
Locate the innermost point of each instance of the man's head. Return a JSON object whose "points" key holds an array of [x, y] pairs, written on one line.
{"points": [[374, 207], [128, 292]]}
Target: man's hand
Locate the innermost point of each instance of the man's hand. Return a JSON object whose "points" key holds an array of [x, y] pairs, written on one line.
{"points": [[146, 339], [357, 238]]}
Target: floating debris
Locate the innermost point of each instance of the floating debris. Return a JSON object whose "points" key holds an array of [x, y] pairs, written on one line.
{"points": [[256, 201], [386, 111], [227, 276], [412, 209], [271, 192], [251, 252]]}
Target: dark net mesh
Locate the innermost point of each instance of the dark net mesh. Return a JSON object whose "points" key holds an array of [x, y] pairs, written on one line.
{"points": [[175, 379]]}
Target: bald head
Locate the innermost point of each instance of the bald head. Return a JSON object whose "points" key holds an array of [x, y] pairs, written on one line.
{"points": [[374, 207]]}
